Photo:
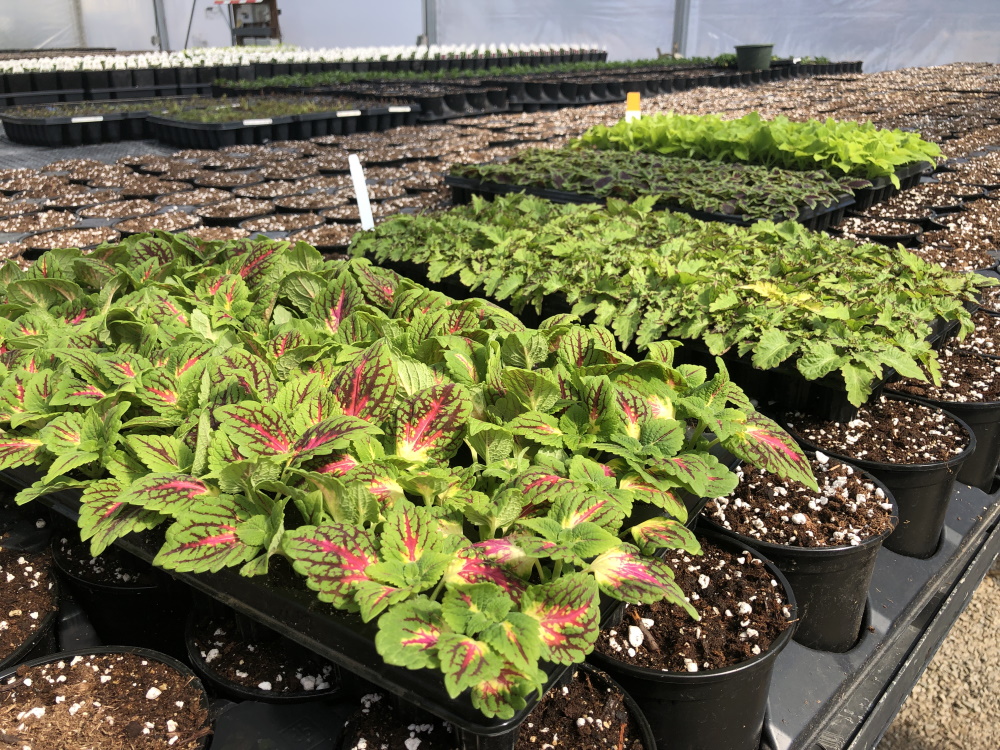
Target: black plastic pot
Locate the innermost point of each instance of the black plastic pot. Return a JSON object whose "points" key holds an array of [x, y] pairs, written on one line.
{"points": [[144, 615], [177, 666], [710, 710], [830, 583], [983, 419], [226, 688], [922, 492], [43, 641]]}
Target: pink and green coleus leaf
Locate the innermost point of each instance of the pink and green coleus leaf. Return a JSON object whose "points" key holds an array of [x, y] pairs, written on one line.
{"points": [[75, 392], [630, 576], [466, 662], [373, 598], [334, 558], [409, 533], [762, 443], [409, 633], [207, 539], [431, 424], [660, 532], [16, 450], [65, 433], [505, 694], [486, 564], [171, 494], [105, 518], [645, 491], [258, 429], [517, 638], [366, 386], [567, 613], [330, 435], [701, 473], [601, 508], [161, 453], [538, 427], [335, 302]]}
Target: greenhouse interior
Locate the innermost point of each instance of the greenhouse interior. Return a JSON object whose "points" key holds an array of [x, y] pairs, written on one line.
{"points": [[499, 376]]}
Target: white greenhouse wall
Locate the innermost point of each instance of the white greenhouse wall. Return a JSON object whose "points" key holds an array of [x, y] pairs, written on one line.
{"points": [[40, 23], [885, 34]]}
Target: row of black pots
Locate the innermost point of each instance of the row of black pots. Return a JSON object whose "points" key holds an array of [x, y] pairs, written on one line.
{"points": [[98, 79]]}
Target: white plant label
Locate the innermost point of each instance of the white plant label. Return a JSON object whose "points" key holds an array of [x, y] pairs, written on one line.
{"points": [[349, 113], [399, 109], [361, 191], [633, 108], [93, 118], [263, 121]]}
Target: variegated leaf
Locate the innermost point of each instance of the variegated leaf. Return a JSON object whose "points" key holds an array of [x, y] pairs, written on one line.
{"points": [[366, 387], [105, 518], [207, 539], [628, 575], [334, 559], [657, 533], [171, 494], [431, 424], [408, 634], [567, 613], [762, 443]]}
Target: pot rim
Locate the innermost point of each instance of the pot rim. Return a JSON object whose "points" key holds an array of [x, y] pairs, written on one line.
{"points": [[721, 673], [869, 465], [840, 550]]}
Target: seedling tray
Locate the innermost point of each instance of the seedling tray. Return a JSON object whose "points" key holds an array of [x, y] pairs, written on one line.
{"points": [[463, 188], [74, 131], [282, 602], [827, 701], [882, 188], [215, 135]]}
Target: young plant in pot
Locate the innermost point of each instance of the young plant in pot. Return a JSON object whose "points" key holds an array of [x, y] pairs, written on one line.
{"points": [[704, 684], [825, 542], [914, 449], [424, 454]]}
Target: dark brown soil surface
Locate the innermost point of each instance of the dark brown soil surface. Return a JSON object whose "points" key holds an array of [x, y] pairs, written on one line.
{"points": [[283, 223], [215, 234], [289, 170], [587, 714], [71, 238], [330, 235], [377, 726], [18, 208], [119, 209], [39, 222], [348, 212], [271, 664], [200, 197], [965, 377], [311, 202], [228, 179], [168, 221], [107, 701], [80, 200], [985, 339], [873, 227], [25, 597], [847, 509], [236, 208], [742, 608], [270, 189], [887, 431], [112, 567], [934, 194]]}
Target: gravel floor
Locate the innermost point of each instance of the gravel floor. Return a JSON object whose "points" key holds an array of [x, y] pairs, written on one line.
{"points": [[956, 703]]}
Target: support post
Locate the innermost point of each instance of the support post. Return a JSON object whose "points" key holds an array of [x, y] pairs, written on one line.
{"points": [[682, 13]]}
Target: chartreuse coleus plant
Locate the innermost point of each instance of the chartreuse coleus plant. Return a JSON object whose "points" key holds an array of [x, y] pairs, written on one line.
{"points": [[431, 464], [747, 192], [775, 292], [839, 147]]}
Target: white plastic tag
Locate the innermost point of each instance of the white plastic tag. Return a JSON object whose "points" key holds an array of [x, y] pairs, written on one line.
{"points": [[93, 118], [361, 191], [399, 109], [633, 108], [264, 121], [349, 113]]}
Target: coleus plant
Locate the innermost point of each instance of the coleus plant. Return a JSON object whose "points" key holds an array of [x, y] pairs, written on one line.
{"points": [[841, 147], [742, 191], [472, 484], [776, 293]]}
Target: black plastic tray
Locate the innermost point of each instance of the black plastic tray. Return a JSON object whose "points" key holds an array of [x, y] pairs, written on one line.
{"points": [[882, 188], [74, 131], [463, 188]]}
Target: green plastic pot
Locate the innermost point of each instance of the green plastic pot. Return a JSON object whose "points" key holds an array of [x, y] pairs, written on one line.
{"points": [[753, 57]]}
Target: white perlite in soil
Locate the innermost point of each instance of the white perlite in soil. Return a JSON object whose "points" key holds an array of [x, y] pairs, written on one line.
{"points": [[783, 515], [889, 432]]}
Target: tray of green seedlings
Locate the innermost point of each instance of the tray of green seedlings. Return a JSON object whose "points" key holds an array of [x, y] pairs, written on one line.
{"points": [[56, 125], [218, 123], [733, 193]]}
